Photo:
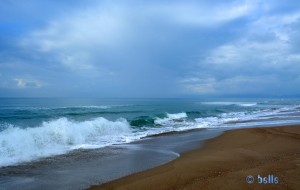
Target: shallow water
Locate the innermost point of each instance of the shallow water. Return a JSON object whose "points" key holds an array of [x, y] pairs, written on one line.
{"points": [[74, 143], [82, 168], [35, 128]]}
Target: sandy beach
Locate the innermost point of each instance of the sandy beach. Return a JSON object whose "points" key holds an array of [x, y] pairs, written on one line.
{"points": [[226, 161]]}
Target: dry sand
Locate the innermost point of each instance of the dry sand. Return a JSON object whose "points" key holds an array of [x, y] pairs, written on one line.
{"points": [[226, 161]]}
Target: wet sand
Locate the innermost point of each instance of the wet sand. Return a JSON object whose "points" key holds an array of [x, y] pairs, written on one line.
{"points": [[81, 168], [225, 162]]}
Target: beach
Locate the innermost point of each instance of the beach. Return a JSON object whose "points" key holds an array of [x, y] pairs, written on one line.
{"points": [[147, 143], [271, 155], [149, 94]]}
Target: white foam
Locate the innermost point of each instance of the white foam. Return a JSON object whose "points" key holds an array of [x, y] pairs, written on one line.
{"points": [[59, 136], [170, 118], [93, 107], [247, 119], [62, 135], [245, 104]]}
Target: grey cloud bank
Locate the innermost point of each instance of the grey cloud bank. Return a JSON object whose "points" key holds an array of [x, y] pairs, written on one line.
{"points": [[150, 49]]}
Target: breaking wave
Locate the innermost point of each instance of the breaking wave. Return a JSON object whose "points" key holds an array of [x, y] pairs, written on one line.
{"points": [[244, 104], [170, 117], [59, 136]]}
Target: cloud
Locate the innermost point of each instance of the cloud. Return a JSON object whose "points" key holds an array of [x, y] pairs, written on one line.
{"points": [[28, 83], [200, 85], [203, 14], [152, 48], [261, 49], [76, 39], [79, 39], [234, 85], [262, 60]]}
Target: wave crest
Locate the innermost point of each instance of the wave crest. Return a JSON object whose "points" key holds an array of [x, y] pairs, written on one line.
{"points": [[170, 117], [59, 136]]}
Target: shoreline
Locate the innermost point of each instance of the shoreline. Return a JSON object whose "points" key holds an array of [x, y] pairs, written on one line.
{"points": [[224, 162], [82, 168]]}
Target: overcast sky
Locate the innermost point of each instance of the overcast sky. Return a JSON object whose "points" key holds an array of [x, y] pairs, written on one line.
{"points": [[134, 48]]}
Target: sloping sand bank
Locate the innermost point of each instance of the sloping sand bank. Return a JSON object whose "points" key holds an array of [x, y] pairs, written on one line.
{"points": [[225, 162]]}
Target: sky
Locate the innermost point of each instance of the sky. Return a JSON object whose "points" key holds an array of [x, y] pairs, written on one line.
{"points": [[149, 49]]}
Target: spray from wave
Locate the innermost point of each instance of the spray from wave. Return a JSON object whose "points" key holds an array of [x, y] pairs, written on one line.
{"points": [[59, 136], [63, 135]]}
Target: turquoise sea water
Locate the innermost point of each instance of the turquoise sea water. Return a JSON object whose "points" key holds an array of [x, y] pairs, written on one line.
{"points": [[33, 128]]}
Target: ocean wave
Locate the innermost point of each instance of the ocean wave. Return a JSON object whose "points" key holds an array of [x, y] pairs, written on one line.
{"points": [[58, 137], [62, 135], [244, 104], [93, 107], [42, 115], [142, 121], [159, 119], [63, 107], [171, 118]]}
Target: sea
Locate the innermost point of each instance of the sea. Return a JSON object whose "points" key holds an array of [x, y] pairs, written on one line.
{"points": [[36, 128]]}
